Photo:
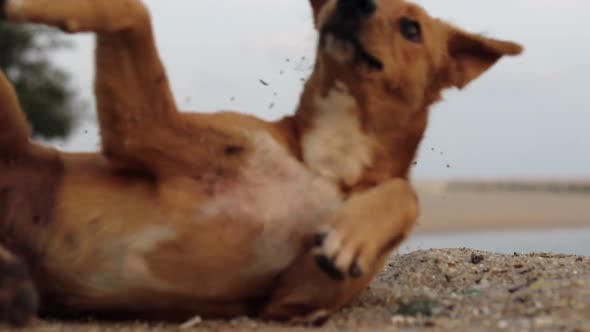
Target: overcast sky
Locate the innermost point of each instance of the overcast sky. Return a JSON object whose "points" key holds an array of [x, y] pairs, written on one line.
{"points": [[527, 117]]}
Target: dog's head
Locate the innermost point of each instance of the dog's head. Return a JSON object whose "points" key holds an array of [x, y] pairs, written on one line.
{"points": [[396, 45], [384, 62]]}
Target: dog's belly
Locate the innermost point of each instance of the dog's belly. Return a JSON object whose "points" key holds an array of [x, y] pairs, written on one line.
{"points": [[130, 244]]}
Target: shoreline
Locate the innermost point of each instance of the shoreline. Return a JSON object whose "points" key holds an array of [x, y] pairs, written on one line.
{"points": [[446, 211], [523, 228], [462, 229]]}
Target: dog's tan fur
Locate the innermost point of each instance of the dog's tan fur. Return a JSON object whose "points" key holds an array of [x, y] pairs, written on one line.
{"points": [[214, 214]]}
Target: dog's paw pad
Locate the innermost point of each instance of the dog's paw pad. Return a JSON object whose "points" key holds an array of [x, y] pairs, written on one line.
{"points": [[18, 298]]}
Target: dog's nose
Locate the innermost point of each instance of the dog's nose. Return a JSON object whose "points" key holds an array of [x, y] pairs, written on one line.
{"points": [[357, 8]]}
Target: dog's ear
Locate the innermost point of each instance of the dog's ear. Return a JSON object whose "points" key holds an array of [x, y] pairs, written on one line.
{"points": [[471, 55], [317, 5]]}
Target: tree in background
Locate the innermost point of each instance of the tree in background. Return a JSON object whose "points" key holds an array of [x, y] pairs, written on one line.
{"points": [[41, 87]]}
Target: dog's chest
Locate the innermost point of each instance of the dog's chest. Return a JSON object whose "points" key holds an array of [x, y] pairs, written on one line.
{"points": [[335, 147]]}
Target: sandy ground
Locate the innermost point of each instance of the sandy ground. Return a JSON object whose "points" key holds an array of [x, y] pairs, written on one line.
{"points": [[440, 290]]}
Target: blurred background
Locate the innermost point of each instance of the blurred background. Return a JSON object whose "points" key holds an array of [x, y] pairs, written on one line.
{"points": [[505, 165]]}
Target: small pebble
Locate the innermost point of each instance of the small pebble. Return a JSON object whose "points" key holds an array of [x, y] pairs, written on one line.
{"points": [[543, 322], [398, 320], [502, 324], [191, 323]]}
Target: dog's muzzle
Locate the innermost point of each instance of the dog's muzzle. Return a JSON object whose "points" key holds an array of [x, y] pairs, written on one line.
{"points": [[349, 16], [346, 24], [356, 9]]}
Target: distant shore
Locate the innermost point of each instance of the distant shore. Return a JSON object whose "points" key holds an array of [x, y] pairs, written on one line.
{"points": [[478, 205], [511, 185]]}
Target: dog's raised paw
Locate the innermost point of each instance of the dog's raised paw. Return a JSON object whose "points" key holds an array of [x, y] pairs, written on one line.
{"points": [[349, 251], [18, 298], [341, 256]]}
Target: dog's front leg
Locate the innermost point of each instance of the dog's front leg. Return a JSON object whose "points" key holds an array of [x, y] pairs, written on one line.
{"points": [[352, 248], [370, 223]]}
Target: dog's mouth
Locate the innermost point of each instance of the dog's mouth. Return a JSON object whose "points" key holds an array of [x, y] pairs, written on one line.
{"points": [[345, 26], [360, 53]]}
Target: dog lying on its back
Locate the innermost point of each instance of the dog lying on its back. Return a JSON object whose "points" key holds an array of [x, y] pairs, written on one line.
{"points": [[224, 214]]}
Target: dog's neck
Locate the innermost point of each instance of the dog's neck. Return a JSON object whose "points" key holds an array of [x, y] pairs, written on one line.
{"points": [[356, 138], [333, 142]]}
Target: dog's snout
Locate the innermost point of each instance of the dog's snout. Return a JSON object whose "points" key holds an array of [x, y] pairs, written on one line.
{"points": [[367, 7], [357, 8], [346, 25]]}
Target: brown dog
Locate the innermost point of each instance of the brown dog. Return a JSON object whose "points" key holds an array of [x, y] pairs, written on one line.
{"points": [[225, 214]]}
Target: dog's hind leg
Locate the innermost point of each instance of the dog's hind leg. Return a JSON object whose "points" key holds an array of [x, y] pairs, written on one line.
{"points": [[18, 299], [140, 126]]}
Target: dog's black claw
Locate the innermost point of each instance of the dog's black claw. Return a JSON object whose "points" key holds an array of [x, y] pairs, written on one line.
{"points": [[319, 238], [355, 271], [328, 266]]}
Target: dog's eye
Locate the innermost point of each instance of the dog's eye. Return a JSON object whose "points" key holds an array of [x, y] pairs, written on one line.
{"points": [[410, 30]]}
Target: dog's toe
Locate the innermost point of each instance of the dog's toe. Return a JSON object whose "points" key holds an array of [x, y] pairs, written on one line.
{"points": [[18, 298], [338, 256]]}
